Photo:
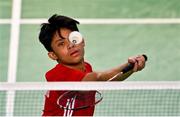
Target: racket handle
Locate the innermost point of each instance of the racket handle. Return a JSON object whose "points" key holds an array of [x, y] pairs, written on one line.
{"points": [[131, 66]]}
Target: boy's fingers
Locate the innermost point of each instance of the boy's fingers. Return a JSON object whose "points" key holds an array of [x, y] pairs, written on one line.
{"points": [[141, 62], [140, 65], [135, 69], [131, 60], [138, 61]]}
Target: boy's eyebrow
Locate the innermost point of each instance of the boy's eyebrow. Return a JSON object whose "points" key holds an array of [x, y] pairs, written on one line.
{"points": [[59, 39]]}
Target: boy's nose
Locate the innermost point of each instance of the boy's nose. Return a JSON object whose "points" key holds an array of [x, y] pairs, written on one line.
{"points": [[71, 45]]}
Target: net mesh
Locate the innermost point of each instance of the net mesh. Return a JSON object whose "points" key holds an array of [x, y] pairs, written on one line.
{"points": [[117, 101], [140, 103]]}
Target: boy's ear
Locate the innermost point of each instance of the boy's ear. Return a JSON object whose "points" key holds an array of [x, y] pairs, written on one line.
{"points": [[52, 55]]}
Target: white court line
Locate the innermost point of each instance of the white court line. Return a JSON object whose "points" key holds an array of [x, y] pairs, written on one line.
{"points": [[5, 21], [105, 21], [13, 54]]}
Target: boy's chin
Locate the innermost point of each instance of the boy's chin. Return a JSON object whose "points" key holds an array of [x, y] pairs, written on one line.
{"points": [[77, 62]]}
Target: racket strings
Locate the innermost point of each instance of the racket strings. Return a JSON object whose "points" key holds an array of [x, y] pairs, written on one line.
{"points": [[74, 100], [68, 111]]}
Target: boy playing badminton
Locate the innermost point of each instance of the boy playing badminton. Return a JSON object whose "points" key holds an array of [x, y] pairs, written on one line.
{"points": [[61, 38]]}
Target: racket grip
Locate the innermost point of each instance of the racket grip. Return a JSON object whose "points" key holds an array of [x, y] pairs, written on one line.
{"points": [[131, 66]]}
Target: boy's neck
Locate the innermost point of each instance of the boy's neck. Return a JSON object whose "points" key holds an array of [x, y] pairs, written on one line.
{"points": [[79, 66]]}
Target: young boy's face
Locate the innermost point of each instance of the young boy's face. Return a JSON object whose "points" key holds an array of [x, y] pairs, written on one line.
{"points": [[64, 51]]}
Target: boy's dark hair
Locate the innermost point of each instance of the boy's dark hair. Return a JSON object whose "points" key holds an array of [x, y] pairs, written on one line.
{"points": [[55, 22]]}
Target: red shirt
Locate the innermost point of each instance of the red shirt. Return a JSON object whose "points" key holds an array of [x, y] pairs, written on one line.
{"points": [[63, 73]]}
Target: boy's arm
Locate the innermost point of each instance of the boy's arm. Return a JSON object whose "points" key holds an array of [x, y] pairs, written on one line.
{"points": [[139, 64]]}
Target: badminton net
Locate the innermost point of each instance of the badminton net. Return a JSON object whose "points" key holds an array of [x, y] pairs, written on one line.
{"points": [[119, 98]]}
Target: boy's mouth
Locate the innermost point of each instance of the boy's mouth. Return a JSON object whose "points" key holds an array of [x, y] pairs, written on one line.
{"points": [[74, 53]]}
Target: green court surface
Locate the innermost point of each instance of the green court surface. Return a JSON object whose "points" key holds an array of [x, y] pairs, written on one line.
{"points": [[101, 8], [5, 8], [4, 51], [107, 45]]}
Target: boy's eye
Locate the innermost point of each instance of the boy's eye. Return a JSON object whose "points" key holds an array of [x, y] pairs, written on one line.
{"points": [[61, 43]]}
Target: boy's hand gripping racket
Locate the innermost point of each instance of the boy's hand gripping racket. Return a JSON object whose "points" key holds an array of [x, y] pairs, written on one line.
{"points": [[126, 69]]}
